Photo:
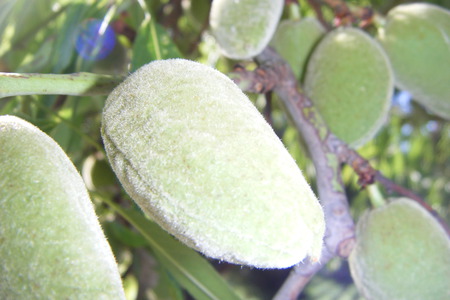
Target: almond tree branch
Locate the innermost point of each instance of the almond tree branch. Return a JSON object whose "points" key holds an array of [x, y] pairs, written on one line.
{"points": [[315, 5], [328, 153], [342, 13], [368, 175], [275, 74]]}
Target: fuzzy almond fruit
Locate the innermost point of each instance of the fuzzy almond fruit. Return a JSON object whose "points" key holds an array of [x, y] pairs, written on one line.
{"points": [[350, 81], [243, 28], [402, 252], [51, 243], [417, 40], [295, 40], [196, 155]]}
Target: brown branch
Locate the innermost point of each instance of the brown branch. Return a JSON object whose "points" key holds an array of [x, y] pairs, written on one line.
{"points": [[275, 74], [328, 153], [299, 277], [315, 5], [267, 113], [342, 14], [365, 17], [368, 175], [260, 81]]}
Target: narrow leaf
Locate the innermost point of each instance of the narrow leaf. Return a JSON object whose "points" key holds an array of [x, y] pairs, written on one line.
{"points": [[152, 43], [64, 49], [189, 268]]}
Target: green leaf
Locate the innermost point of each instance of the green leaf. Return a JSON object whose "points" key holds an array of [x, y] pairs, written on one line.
{"points": [[189, 268], [41, 58], [6, 7], [31, 22], [126, 236], [167, 288], [152, 43], [64, 49]]}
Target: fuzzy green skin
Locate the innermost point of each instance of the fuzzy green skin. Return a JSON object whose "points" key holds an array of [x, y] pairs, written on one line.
{"points": [[197, 156], [243, 28], [51, 244], [402, 252], [295, 40], [350, 81], [417, 40]]}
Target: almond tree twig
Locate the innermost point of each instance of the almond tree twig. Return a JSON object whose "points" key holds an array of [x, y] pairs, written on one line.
{"points": [[275, 74], [315, 5], [342, 13], [328, 153], [368, 175]]}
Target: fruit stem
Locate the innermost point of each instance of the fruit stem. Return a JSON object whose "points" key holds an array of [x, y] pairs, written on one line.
{"points": [[76, 84], [375, 196]]}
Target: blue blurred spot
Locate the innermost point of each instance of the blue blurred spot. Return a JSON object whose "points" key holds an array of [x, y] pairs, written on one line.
{"points": [[402, 99], [407, 129], [432, 126], [92, 42], [405, 146]]}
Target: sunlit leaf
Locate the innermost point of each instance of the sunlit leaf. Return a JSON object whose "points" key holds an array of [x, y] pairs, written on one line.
{"points": [[64, 48], [152, 43], [31, 23], [6, 7]]}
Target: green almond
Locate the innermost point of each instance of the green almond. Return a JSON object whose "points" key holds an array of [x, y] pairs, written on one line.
{"points": [[350, 81], [196, 155], [244, 28], [51, 244], [417, 40], [402, 252], [294, 40]]}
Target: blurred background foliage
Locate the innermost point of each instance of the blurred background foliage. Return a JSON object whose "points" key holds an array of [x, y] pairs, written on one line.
{"points": [[59, 36]]}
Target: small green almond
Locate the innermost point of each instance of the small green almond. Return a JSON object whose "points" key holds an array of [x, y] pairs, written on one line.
{"points": [[243, 28], [417, 40], [350, 81], [402, 252], [294, 40], [51, 244], [195, 154]]}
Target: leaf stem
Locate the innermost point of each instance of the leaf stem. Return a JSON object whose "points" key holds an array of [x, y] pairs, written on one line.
{"points": [[75, 84]]}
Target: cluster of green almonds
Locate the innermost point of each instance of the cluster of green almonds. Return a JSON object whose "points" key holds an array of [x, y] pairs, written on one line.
{"points": [[348, 75], [402, 252], [191, 149], [51, 244], [417, 40], [199, 159], [353, 98]]}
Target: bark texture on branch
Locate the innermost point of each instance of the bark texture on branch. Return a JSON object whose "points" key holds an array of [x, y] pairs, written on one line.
{"points": [[273, 73], [327, 153]]}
